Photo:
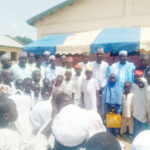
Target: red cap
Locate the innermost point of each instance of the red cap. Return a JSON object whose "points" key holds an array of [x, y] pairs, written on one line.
{"points": [[78, 66], [139, 72]]}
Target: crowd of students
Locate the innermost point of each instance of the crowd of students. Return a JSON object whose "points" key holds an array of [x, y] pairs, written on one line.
{"points": [[71, 102]]}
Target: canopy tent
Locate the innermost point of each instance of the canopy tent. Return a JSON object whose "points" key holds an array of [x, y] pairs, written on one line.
{"points": [[112, 39]]}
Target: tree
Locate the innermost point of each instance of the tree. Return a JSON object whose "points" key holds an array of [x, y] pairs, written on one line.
{"points": [[24, 40]]}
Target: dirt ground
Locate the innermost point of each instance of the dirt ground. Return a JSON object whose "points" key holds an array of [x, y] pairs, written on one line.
{"points": [[127, 143]]}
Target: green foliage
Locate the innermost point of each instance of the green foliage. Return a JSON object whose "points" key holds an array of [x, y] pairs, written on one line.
{"points": [[24, 40]]}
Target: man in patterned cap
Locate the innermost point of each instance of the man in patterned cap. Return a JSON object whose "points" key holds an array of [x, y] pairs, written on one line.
{"points": [[123, 68]]}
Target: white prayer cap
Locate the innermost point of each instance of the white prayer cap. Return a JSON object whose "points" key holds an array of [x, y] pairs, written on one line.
{"points": [[70, 127], [123, 52], [46, 53], [52, 57], [5, 56], [100, 50], [141, 141], [143, 80]]}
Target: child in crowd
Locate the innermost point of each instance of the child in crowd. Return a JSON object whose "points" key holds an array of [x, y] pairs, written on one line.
{"points": [[112, 99], [58, 85], [78, 78], [27, 82], [19, 87], [140, 106], [127, 110], [137, 74], [89, 89], [36, 76], [7, 78], [69, 84], [37, 96], [42, 111]]}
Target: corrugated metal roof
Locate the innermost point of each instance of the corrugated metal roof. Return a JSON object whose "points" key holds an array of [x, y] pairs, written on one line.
{"points": [[56, 5], [8, 41]]}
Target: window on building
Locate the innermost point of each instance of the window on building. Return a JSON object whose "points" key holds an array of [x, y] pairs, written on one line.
{"points": [[13, 56]]}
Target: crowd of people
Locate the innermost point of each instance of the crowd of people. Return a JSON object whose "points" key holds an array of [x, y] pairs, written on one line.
{"points": [[44, 106]]}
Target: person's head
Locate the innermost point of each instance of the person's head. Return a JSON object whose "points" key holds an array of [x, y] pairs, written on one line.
{"points": [[69, 62], [85, 56], [36, 88], [8, 111], [112, 78], [60, 99], [46, 93], [103, 141], [36, 76], [148, 77], [63, 60], [19, 84], [127, 87], [113, 109], [74, 128], [7, 75], [46, 56], [6, 61], [27, 82], [88, 72], [52, 61], [31, 58], [59, 80], [38, 59], [123, 56], [142, 83], [141, 141], [68, 74], [22, 59], [99, 55], [78, 69], [46, 82], [143, 60], [138, 74]]}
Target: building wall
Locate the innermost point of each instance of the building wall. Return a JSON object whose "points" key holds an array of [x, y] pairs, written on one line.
{"points": [[9, 50], [85, 15]]}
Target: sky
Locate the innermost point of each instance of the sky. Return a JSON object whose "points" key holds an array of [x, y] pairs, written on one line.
{"points": [[15, 13]]}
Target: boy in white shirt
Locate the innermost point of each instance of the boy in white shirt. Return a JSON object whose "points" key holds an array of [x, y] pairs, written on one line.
{"points": [[127, 110], [90, 90], [69, 84], [78, 82]]}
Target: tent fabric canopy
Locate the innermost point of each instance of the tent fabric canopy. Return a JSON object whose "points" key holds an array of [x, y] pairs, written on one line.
{"points": [[112, 39]]}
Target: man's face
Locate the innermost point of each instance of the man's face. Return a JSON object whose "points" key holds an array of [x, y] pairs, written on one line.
{"points": [[37, 77], [141, 84], [53, 62], [68, 75], [7, 63], [46, 57], [78, 71], [127, 88], [99, 56], [123, 58], [23, 60], [112, 78], [88, 74], [9, 76], [31, 57], [136, 78], [143, 62], [59, 80], [85, 58], [148, 77], [39, 61], [69, 64]]}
